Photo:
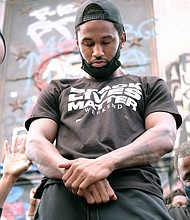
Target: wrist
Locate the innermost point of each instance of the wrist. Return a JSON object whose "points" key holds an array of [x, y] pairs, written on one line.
{"points": [[29, 215], [110, 161], [9, 178], [32, 208]]}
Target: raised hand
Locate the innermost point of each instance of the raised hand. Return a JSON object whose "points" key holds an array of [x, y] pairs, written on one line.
{"points": [[15, 162]]}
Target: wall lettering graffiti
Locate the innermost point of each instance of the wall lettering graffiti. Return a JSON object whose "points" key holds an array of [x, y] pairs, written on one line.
{"points": [[178, 80]]}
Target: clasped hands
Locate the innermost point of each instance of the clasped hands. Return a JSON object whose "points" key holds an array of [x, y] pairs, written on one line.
{"points": [[87, 178]]}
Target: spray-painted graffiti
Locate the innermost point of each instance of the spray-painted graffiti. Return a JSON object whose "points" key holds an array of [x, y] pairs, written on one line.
{"points": [[178, 80], [143, 30], [53, 54], [17, 202], [44, 26], [56, 55], [14, 207], [64, 65], [184, 61], [184, 67], [134, 58]]}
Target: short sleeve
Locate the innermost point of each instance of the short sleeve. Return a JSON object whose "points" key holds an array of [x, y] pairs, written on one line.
{"points": [[159, 98]]}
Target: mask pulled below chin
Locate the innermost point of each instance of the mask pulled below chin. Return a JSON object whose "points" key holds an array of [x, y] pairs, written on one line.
{"points": [[105, 71]]}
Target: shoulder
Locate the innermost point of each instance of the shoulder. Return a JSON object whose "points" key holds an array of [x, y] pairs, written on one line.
{"points": [[151, 80], [57, 86], [63, 83]]}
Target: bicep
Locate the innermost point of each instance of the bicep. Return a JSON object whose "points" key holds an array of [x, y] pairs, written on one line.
{"points": [[43, 128], [162, 120]]}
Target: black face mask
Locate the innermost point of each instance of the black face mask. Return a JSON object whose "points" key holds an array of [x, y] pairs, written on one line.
{"points": [[105, 71]]}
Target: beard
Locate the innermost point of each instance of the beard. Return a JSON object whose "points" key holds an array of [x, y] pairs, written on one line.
{"points": [[105, 71]]}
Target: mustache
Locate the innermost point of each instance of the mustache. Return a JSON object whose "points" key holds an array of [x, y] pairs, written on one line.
{"points": [[98, 59]]}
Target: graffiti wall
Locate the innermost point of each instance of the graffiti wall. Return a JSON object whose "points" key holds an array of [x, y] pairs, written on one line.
{"points": [[173, 48], [41, 47], [18, 201], [177, 76], [173, 53]]}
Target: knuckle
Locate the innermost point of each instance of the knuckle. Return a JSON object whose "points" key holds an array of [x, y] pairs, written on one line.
{"points": [[98, 201], [68, 185], [81, 188], [105, 200]]}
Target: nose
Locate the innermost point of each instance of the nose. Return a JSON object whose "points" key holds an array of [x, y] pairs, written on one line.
{"points": [[98, 51]]}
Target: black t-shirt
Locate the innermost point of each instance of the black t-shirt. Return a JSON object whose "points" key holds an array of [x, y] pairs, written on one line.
{"points": [[0, 212], [96, 117]]}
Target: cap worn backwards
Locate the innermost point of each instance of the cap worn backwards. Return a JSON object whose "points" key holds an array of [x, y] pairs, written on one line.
{"points": [[97, 10]]}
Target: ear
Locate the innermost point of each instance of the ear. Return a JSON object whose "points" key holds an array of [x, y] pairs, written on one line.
{"points": [[76, 40], [123, 38]]}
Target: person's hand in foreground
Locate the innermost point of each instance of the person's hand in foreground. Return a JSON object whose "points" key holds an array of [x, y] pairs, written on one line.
{"points": [[15, 164]]}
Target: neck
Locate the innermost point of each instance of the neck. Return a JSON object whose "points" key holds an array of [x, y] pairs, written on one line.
{"points": [[115, 74]]}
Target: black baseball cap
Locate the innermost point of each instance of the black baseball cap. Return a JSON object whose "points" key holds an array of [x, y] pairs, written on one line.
{"points": [[2, 56], [98, 10]]}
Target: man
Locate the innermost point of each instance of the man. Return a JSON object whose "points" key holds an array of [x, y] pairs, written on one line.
{"points": [[14, 165], [182, 165], [109, 127]]}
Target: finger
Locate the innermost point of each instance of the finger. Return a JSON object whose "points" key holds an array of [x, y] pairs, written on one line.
{"points": [[6, 147], [14, 144], [102, 189], [23, 146], [66, 179], [110, 192], [73, 191], [95, 193], [69, 176], [74, 181], [82, 184], [65, 165], [89, 198]]}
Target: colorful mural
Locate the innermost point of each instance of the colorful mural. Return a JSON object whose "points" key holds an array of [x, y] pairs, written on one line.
{"points": [[41, 46], [44, 49]]}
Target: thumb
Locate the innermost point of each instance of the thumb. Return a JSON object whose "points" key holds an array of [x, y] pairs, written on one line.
{"points": [[65, 164]]}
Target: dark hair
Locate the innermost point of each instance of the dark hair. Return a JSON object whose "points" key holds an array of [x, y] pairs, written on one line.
{"points": [[99, 10], [182, 151], [118, 27]]}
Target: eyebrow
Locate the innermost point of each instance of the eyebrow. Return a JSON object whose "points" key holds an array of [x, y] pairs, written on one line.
{"points": [[107, 37], [104, 37]]}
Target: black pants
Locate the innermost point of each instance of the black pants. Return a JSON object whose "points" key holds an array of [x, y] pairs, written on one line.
{"points": [[58, 203]]}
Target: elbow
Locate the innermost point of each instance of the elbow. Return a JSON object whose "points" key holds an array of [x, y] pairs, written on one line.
{"points": [[32, 146], [170, 137]]}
